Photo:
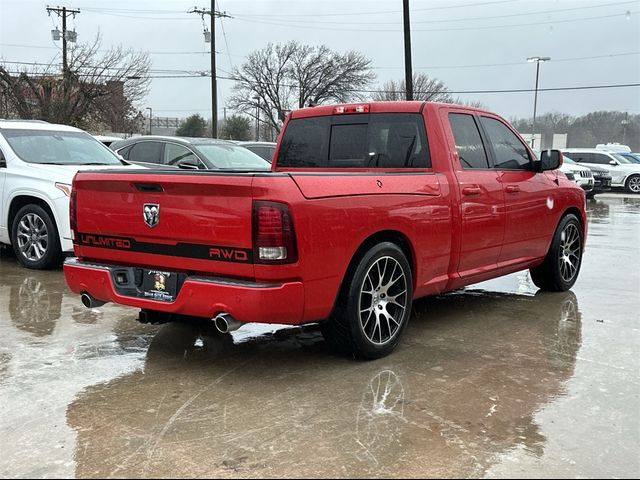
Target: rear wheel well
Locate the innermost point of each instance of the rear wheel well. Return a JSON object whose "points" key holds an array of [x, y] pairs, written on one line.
{"points": [[392, 236], [22, 200]]}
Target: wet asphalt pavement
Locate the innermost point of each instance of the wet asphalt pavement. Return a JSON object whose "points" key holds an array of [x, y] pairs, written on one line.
{"points": [[496, 380]]}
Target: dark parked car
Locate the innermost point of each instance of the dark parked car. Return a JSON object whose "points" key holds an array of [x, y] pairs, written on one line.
{"points": [[601, 180], [264, 149], [189, 153]]}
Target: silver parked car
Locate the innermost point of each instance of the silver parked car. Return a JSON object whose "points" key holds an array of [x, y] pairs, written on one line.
{"points": [[624, 173], [189, 153]]}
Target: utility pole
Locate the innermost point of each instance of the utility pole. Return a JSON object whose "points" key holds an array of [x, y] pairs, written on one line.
{"points": [[213, 14], [64, 12], [408, 70]]}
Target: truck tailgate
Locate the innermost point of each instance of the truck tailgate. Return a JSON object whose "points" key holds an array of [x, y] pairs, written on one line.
{"points": [[198, 222]]}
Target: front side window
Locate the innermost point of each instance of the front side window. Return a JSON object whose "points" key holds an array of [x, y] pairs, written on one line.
{"points": [[146, 152], [510, 153], [624, 160], [469, 144], [59, 148], [385, 140]]}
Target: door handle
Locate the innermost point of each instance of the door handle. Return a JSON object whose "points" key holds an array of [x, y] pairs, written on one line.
{"points": [[471, 191], [512, 189]]}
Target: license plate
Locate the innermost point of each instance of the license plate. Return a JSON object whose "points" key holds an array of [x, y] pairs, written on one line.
{"points": [[162, 286]]}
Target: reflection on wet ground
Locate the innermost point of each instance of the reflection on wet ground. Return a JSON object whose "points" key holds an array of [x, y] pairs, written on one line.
{"points": [[495, 380]]}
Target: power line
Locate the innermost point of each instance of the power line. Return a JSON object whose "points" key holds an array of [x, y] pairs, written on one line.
{"points": [[439, 21], [446, 29], [47, 47], [385, 12], [130, 12], [199, 73], [224, 35], [512, 90]]}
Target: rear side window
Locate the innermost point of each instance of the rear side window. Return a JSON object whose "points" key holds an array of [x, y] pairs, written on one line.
{"points": [[148, 152], [510, 153], [469, 144], [389, 140], [173, 153], [124, 152]]}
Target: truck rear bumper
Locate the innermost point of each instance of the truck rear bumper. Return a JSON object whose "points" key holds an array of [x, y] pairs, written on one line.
{"points": [[199, 296]]}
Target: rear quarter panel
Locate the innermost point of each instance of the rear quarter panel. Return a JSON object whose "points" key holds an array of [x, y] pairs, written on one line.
{"points": [[330, 228]]}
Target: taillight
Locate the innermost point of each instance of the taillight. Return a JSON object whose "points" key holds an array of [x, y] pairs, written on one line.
{"points": [[274, 239], [73, 223], [351, 109]]}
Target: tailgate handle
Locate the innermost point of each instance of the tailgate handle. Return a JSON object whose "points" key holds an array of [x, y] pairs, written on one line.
{"points": [[149, 187]]}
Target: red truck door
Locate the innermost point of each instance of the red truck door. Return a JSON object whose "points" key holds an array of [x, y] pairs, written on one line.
{"points": [[481, 195], [529, 195]]}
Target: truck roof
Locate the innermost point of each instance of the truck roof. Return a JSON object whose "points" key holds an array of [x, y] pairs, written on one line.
{"points": [[402, 106]]}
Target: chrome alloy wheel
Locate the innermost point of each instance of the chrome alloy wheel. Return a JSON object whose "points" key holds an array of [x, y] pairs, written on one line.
{"points": [[383, 300], [33, 237], [634, 184], [570, 251]]}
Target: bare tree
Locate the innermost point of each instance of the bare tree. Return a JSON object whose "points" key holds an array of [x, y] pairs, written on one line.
{"points": [[99, 88], [283, 76], [425, 88]]}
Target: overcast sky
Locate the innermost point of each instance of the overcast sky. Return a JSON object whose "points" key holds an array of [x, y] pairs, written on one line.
{"points": [[479, 45]]}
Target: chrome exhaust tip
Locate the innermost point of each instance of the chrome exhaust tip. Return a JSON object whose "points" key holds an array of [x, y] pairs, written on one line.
{"points": [[225, 323], [90, 302]]}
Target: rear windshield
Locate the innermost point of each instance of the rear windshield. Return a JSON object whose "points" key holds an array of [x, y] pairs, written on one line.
{"points": [[382, 140], [59, 148]]}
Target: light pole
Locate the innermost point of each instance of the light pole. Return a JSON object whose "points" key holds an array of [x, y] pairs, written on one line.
{"points": [[257, 99], [624, 123], [150, 117], [535, 98]]}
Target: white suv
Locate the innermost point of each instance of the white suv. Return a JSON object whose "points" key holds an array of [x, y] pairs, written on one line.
{"points": [[624, 173], [37, 163]]}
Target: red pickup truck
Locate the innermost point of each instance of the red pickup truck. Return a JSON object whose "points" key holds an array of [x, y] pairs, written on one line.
{"points": [[366, 207]]}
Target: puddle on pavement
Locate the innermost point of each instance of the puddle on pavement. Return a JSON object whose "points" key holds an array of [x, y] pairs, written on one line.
{"points": [[495, 380]]}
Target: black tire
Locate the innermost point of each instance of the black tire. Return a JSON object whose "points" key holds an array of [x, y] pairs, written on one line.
{"points": [[35, 240], [632, 185], [561, 266], [590, 195], [352, 329]]}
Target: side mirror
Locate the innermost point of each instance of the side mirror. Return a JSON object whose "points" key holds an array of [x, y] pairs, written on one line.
{"points": [[3, 161], [613, 162], [188, 164], [550, 160]]}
